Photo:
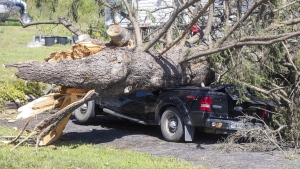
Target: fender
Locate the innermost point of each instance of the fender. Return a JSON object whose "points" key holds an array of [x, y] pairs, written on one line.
{"points": [[175, 102], [20, 4]]}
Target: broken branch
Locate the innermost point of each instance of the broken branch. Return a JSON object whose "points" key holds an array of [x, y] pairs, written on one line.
{"points": [[61, 20]]}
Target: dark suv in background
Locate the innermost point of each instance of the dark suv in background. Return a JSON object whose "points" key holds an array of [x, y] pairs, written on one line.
{"points": [[178, 111]]}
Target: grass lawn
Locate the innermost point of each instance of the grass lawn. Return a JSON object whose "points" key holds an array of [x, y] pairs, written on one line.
{"points": [[79, 155], [13, 49]]}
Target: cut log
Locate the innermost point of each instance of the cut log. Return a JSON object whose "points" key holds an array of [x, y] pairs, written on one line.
{"points": [[119, 36]]}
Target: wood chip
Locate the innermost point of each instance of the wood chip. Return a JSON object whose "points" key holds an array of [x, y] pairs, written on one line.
{"points": [[11, 121], [53, 147]]}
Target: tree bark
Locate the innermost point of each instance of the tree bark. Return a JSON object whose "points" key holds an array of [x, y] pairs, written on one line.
{"points": [[111, 71]]}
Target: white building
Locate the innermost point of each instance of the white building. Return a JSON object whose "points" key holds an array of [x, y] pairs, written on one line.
{"points": [[148, 16]]}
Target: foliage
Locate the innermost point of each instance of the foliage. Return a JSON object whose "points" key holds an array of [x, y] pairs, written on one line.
{"points": [[84, 15], [19, 89], [267, 68], [74, 13]]}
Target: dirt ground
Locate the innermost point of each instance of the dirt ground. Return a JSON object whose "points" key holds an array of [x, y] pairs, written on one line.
{"points": [[203, 151]]}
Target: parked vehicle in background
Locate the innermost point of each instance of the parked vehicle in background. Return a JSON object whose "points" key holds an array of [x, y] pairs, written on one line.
{"points": [[179, 111], [9, 8]]}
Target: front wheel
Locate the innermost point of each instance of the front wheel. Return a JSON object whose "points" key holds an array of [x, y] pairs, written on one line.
{"points": [[25, 18], [171, 125], [85, 114]]}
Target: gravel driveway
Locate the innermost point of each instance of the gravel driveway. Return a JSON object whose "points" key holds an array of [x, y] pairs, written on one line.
{"points": [[203, 151]]}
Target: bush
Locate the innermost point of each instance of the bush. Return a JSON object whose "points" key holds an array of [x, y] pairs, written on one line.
{"points": [[19, 89]]}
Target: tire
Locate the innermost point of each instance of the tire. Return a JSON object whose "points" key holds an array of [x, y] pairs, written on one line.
{"points": [[25, 18], [85, 114], [171, 125]]}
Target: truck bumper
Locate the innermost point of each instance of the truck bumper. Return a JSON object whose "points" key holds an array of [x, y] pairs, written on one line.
{"points": [[221, 126]]}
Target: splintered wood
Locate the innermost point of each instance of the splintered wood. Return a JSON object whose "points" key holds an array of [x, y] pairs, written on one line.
{"points": [[44, 103], [78, 51], [65, 97], [71, 95]]}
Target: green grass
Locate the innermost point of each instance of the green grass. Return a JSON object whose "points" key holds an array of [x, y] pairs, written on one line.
{"points": [[13, 49], [80, 155]]}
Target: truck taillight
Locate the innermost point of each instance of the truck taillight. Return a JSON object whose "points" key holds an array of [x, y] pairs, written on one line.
{"points": [[205, 103], [265, 114]]}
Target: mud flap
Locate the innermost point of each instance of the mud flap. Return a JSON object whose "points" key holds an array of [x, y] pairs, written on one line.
{"points": [[189, 133]]}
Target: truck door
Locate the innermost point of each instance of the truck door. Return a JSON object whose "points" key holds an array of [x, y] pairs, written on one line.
{"points": [[135, 105]]}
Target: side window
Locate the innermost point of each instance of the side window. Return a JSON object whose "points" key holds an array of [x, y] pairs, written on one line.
{"points": [[139, 96]]}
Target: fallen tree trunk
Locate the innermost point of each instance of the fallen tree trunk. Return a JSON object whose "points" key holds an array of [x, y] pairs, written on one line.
{"points": [[111, 71], [108, 72]]}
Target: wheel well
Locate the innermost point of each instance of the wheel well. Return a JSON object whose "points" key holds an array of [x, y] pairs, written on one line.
{"points": [[162, 110]]}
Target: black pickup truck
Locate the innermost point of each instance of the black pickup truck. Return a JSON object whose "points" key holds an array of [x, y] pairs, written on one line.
{"points": [[178, 111]]}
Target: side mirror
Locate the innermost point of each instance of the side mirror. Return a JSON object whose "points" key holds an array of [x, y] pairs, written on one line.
{"points": [[238, 108]]}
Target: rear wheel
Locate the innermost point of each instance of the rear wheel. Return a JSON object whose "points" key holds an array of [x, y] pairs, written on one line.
{"points": [[85, 114], [171, 125]]}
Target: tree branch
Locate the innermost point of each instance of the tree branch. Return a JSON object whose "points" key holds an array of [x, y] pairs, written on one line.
{"points": [[169, 23], [156, 9], [105, 3], [194, 20], [289, 57], [291, 22], [262, 38], [236, 25], [286, 5], [61, 20], [240, 44], [135, 24], [287, 101]]}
